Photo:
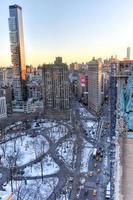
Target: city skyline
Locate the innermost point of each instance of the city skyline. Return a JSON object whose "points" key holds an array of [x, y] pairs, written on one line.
{"points": [[70, 29]]}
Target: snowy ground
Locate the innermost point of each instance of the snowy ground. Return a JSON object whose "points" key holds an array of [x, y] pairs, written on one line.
{"points": [[23, 150], [64, 197], [10, 133], [88, 121], [87, 150], [42, 124], [33, 189], [57, 132], [66, 150], [84, 112], [46, 167], [90, 127]]}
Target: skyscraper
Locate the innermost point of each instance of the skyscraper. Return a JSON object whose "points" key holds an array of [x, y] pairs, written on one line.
{"points": [[95, 85], [3, 107], [128, 53], [55, 87], [17, 55]]}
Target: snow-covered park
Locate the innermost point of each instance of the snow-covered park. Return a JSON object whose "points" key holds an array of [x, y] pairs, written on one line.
{"points": [[32, 189], [20, 147], [22, 150], [57, 132], [46, 167], [30, 150]]}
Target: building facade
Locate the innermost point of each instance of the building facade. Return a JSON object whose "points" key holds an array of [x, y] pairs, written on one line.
{"points": [[9, 76], [3, 77], [55, 86], [3, 107], [95, 85], [124, 130], [7, 93], [17, 55]]}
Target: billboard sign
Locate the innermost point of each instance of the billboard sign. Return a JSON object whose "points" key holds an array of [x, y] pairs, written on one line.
{"points": [[82, 80]]}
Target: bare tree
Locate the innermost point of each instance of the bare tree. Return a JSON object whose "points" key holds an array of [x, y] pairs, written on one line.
{"points": [[4, 147], [41, 169], [12, 164], [22, 192]]}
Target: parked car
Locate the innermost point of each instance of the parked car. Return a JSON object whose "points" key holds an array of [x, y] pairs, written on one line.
{"points": [[94, 193], [91, 173]]}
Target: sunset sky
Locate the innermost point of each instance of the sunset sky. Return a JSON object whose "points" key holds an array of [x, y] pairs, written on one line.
{"points": [[77, 30]]}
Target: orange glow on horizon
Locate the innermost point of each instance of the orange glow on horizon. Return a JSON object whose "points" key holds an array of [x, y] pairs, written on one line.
{"points": [[69, 56]]}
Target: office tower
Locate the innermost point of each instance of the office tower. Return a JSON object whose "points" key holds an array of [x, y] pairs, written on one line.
{"points": [[9, 76], [3, 107], [3, 77], [17, 55], [128, 53], [55, 86], [58, 61], [95, 85], [7, 93]]}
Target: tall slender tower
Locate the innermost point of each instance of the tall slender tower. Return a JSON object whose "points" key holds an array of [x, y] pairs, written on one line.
{"points": [[128, 53], [17, 54], [95, 85]]}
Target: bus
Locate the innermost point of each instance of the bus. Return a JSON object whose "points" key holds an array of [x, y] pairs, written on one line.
{"points": [[94, 152], [107, 195]]}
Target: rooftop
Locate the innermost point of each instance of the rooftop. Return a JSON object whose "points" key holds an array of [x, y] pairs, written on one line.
{"points": [[15, 6]]}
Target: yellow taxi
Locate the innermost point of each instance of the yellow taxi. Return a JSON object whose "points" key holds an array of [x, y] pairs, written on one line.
{"points": [[94, 193], [91, 173]]}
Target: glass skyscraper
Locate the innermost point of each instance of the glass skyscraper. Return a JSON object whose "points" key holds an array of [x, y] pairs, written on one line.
{"points": [[17, 54]]}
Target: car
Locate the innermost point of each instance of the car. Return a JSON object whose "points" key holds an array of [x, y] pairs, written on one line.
{"points": [[18, 123], [97, 181], [98, 171], [101, 155], [108, 140], [113, 160], [94, 193], [100, 159], [78, 195], [113, 137], [82, 180], [71, 180], [91, 173], [97, 158], [86, 193], [104, 172], [113, 150], [95, 164], [64, 192], [113, 143]]}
